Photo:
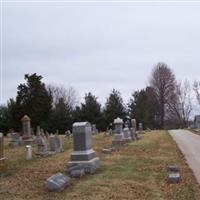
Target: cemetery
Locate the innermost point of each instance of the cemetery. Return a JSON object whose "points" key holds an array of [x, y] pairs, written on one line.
{"points": [[99, 100], [94, 166]]}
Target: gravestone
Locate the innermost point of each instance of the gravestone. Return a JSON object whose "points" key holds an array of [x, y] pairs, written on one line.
{"points": [[133, 129], [1, 148], [83, 154], [28, 152], [127, 134], [52, 143], [118, 138], [94, 129], [3, 166], [67, 133], [174, 175], [140, 127], [59, 145], [42, 148], [26, 130], [47, 135], [57, 182], [15, 139], [55, 144]]}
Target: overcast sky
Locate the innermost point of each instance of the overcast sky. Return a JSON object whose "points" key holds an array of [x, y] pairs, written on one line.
{"points": [[98, 46]]}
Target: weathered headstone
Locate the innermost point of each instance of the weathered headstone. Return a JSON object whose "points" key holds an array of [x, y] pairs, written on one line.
{"points": [[15, 139], [28, 152], [127, 134], [47, 135], [59, 145], [52, 143], [94, 129], [118, 138], [57, 182], [55, 144], [67, 133], [140, 127], [26, 130], [174, 175], [83, 154], [1, 147], [133, 129], [3, 166], [42, 148], [42, 132]]}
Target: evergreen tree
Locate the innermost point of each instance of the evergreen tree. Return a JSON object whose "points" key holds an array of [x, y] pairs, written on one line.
{"points": [[33, 99], [91, 111], [143, 107], [61, 117], [114, 107]]}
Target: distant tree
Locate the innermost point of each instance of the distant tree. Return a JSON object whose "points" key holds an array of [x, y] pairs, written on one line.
{"points": [[143, 107], [164, 84], [3, 118], [114, 107], [91, 111], [60, 117], [196, 87], [68, 94], [77, 114], [34, 100], [180, 106], [64, 101]]}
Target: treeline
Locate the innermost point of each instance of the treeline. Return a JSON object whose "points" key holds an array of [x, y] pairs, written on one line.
{"points": [[164, 103]]}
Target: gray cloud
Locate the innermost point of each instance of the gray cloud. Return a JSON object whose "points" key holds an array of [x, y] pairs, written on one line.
{"points": [[98, 47]]}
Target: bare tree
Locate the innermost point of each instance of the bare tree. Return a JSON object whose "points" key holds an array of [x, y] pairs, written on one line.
{"points": [[180, 106], [196, 87], [69, 95], [164, 84]]}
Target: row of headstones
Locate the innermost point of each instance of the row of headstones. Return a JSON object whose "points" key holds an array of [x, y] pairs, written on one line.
{"points": [[83, 159], [127, 134], [48, 144]]}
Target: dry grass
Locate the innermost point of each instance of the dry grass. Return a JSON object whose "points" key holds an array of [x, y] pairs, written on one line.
{"points": [[137, 171]]}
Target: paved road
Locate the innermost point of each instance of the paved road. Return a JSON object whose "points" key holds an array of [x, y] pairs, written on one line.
{"points": [[189, 144]]}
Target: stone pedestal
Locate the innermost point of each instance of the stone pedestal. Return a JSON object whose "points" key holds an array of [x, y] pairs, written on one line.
{"points": [[118, 138], [83, 154], [26, 130], [28, 152]]}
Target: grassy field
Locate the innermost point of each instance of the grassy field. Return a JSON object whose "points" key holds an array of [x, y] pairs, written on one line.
{"points": [[136, 172]]}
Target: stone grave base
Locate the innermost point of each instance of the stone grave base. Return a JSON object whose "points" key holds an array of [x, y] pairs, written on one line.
{"points": [[89, 167], [27, 141], [82, 155], [118, 140], [128, 139]]}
